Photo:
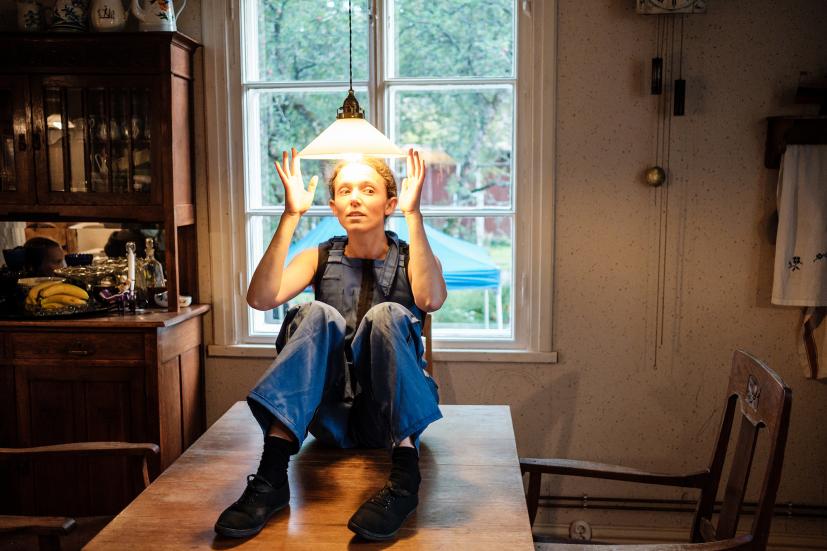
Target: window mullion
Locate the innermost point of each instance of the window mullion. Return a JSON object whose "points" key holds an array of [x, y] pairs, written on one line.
{"points": [[306, 85], [461, 82], [428, 212], [249, 33], [252, 168], [376, 86]]}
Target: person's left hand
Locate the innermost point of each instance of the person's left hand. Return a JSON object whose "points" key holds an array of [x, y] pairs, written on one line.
{"points": [[411, 191]]}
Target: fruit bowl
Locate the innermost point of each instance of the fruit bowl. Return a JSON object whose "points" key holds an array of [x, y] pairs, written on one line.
{"points": [[56, 295], [29, 282]]}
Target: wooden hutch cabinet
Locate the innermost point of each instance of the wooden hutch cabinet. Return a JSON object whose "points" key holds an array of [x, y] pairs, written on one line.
{"points": [[99, 127]]}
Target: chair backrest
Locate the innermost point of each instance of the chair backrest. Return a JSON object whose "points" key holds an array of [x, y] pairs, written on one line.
{"points": [[763, 401], [50, 529], [50, 498], [429, 345]]}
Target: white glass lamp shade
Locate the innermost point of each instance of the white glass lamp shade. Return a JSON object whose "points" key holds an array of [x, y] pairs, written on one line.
{"points": [[350, 138]]}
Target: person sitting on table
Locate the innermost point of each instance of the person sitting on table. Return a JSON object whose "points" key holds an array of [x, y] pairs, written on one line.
{"points": [[349, 366], [43, 256]]}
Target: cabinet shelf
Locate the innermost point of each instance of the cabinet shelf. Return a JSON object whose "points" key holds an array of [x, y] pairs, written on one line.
{"points": [[54, 84]]}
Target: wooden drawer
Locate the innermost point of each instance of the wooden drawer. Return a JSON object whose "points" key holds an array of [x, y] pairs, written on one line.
{"points": [[78, 346]]}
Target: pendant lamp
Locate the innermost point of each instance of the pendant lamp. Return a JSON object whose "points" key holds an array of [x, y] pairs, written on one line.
{"points": [[350, 136]]}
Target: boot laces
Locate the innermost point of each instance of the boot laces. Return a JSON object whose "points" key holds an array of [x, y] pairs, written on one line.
{"points": [[386, 496], [251, 492]]}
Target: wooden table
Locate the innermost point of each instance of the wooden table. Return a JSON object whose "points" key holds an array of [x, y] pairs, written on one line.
{"points": [[471, 495]]}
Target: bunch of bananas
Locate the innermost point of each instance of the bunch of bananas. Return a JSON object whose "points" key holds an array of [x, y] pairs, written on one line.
{"points": [[53, 295]]}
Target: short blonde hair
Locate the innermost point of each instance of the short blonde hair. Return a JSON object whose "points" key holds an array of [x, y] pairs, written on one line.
{"points": [[378, 165]]}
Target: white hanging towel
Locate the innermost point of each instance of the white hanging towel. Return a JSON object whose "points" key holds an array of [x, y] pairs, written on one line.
{"points": [[800, 275]]}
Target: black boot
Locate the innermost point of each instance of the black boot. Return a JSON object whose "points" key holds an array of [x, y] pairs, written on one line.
{"points": [[381, 516], [247, 516], [267, 492]]}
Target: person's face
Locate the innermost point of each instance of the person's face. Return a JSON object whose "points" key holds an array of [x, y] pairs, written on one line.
{"points": [[52, 260], [360, 199]]}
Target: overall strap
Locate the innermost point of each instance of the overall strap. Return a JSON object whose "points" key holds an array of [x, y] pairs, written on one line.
{"points": [[388, 274], [336, 248], [331, 250]]}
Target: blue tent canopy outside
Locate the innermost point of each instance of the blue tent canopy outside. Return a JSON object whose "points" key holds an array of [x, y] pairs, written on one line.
{"points": [[464, 265]]}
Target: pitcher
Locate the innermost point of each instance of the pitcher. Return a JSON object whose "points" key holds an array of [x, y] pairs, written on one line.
{"points": [[159, 15], [107, 15]]}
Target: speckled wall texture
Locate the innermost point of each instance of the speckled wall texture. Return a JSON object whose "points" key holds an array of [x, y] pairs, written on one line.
{"points": [[607, 399]]}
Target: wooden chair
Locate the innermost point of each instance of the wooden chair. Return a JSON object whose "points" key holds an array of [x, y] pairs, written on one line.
{"points": [[429, 345], [50, 529], [763, 401]]}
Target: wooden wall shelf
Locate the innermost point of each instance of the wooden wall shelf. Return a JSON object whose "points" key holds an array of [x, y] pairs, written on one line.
{"points": [[784, 131]]}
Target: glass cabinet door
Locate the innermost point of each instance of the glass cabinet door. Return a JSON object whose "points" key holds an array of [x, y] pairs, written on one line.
{"points": [[98, 142], [16, 141]]}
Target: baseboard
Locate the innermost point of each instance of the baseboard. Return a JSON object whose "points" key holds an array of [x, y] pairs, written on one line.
{"points": [[648, 534]]}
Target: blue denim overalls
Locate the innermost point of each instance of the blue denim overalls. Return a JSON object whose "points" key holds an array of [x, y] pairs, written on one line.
{"points": [[350, 364]]}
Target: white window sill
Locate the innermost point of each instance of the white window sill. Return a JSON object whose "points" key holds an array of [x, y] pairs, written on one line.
{"points": [[445, 355]]}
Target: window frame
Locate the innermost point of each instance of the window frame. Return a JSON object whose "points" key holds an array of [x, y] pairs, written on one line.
{"points": [[533, 206]]}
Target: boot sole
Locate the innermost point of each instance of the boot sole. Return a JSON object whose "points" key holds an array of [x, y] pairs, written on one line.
{"points": [[368, 535], [246, 533]]}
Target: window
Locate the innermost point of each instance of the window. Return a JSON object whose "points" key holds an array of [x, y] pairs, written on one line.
{"points": [[451, 78]]}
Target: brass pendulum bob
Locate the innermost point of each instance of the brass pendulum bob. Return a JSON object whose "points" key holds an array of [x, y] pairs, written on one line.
{"points": [[655, 176]]}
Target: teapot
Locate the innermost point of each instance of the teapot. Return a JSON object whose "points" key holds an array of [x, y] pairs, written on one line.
{"points": [[159, 15]]}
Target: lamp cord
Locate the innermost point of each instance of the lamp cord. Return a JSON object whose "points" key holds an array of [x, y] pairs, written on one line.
{"points": [[350, 42], [680, 70]]}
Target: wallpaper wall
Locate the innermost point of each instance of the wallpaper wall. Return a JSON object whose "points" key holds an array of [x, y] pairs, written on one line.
{"points": [[620, 393]]}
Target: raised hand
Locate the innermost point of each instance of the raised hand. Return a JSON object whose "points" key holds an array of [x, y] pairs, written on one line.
{"points": [[411, 191], [296, 199]]}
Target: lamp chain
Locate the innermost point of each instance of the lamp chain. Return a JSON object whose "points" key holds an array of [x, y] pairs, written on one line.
{"points": [[350, 41]]}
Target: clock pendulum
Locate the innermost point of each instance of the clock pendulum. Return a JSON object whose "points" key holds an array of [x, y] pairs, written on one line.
{"points": [[657, 175], [671, 100], [680, 84], [657, 67]]}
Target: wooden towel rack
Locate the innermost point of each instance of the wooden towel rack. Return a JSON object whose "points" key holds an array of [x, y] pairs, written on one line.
{"points": [[784, 131]]}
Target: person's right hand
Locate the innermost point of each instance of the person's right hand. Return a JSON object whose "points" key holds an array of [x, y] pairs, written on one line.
{"points": [[296, 199]]}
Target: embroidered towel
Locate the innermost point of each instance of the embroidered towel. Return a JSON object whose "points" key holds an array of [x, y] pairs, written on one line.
{"points": [[800, 274]]}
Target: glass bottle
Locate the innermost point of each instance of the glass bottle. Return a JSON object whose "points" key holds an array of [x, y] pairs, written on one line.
{"points": [[152, 272]]}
